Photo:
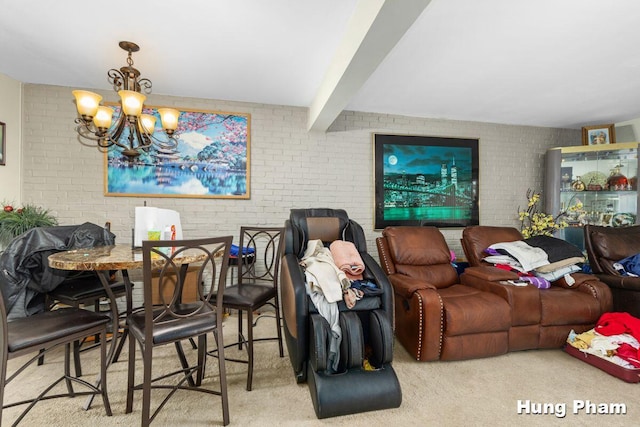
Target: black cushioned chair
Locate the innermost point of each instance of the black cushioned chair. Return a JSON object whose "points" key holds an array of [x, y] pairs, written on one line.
{"points": [[30, 286], [258, 275], [365, 379], [41, 333], [172, 321], [85, 288]]}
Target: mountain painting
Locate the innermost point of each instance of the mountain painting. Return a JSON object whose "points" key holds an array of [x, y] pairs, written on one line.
{"points": [[210, 160]]}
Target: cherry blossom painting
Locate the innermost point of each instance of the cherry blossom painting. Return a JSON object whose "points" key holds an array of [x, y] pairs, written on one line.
{"points": [[210, 160]]}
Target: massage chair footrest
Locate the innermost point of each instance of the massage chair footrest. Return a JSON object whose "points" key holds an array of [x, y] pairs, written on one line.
{"points": [[354, 391]]}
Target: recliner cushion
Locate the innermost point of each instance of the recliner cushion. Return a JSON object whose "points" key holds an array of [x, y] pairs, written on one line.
{"points": [[475, 239], [562, 306], [469, 311], [616, 243], [422, 253]]}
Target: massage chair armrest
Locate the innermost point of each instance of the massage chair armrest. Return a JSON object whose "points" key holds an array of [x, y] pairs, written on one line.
{"points": [[490, 273], [405, 286], [374, 272], [295, 313]]}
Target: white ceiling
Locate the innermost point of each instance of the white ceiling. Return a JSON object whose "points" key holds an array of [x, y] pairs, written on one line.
{"points": [[552, 63]]}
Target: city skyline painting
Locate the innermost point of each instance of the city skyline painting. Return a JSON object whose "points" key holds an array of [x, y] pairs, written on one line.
{"points": [[421, 180]]}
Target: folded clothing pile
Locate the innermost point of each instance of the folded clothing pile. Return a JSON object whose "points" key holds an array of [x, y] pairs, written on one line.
{"points": [[543, 257]]}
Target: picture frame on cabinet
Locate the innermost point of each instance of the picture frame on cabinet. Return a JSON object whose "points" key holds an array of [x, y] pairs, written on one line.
{"points": [[599, 135], [3, 154]]}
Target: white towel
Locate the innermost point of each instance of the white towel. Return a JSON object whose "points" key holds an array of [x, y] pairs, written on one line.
{"points": [[528, 256]]}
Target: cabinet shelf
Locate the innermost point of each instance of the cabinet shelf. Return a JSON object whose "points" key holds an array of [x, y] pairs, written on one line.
{"points": [[599, 191], [568, 168]]}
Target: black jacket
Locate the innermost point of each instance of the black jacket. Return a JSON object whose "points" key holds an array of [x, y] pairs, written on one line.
{"points": [[25, 275]]}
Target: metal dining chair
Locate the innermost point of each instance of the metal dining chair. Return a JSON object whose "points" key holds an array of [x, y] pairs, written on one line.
{"points": [[171, 320], [85, 288], [257, 286], [41, 333]]}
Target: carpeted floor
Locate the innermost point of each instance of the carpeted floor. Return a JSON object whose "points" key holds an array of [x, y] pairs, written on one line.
{"points": [[473, 392]]}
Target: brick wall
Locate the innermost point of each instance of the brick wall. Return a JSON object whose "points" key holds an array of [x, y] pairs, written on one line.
{"points": [[290, 167]]}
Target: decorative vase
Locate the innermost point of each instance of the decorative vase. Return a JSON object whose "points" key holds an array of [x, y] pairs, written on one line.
{"points": [[578, 184], [617, 181]]}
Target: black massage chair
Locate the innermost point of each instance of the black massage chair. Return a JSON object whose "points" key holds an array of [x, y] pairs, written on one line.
{"points": [[365, 379]]}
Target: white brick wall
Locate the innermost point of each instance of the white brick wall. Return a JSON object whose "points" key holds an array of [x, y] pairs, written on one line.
{"points": [[290, 167]]}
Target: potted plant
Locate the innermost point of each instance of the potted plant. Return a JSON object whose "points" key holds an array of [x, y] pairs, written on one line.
{"points": [[14, 222]]}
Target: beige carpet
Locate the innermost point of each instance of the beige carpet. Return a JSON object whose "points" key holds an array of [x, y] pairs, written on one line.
{"points": [[473, 392]]}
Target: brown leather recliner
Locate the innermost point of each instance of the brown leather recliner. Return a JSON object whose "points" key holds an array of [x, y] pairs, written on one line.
{"points": [[436, 316], [540, 318], [606, 246]]}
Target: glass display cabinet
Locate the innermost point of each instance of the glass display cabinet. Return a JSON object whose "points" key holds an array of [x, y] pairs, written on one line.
{"points": [[592, 185]]}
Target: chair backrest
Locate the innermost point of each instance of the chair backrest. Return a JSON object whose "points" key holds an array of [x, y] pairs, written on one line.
{"points": [[477, 238], [165, 264], [608, 245], [4, 342], [260, 254], [324, 224], [419, 252]]}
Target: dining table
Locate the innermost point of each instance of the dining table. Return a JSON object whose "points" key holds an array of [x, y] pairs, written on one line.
{"points": [[105, 259]]}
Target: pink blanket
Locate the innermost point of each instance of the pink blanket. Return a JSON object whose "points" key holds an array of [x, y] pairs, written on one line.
{"points": [[347, 258]]}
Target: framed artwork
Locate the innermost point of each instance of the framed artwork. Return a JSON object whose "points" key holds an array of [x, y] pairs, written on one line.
{"points": [[3, 144], [598, 135], [425, 180], [211, 159]]}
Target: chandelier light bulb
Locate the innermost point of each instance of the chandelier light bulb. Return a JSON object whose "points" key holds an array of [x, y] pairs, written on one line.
{"points": [[147, 123], [87, 103], [169, 118], [103, 117], [131, 102]]}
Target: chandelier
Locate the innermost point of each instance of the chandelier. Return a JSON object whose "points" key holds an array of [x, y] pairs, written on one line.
{"points": [[132, 131]]}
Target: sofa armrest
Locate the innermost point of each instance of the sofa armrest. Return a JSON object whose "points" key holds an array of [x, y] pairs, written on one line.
{"points": [[406, 286], [621, 282], [592, 285], [578, 279], [490, 273]]}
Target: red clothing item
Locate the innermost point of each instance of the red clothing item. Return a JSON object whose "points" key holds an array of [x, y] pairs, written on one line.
{"points": [[630, 354], [618, 323]]}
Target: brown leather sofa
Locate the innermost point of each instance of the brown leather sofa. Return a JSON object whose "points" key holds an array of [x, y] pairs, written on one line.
{"points": [[436, 317], [606, 246], [540, 318]]}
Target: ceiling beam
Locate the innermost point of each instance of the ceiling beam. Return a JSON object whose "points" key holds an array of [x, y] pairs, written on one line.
{"points": [[374, 29]]}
